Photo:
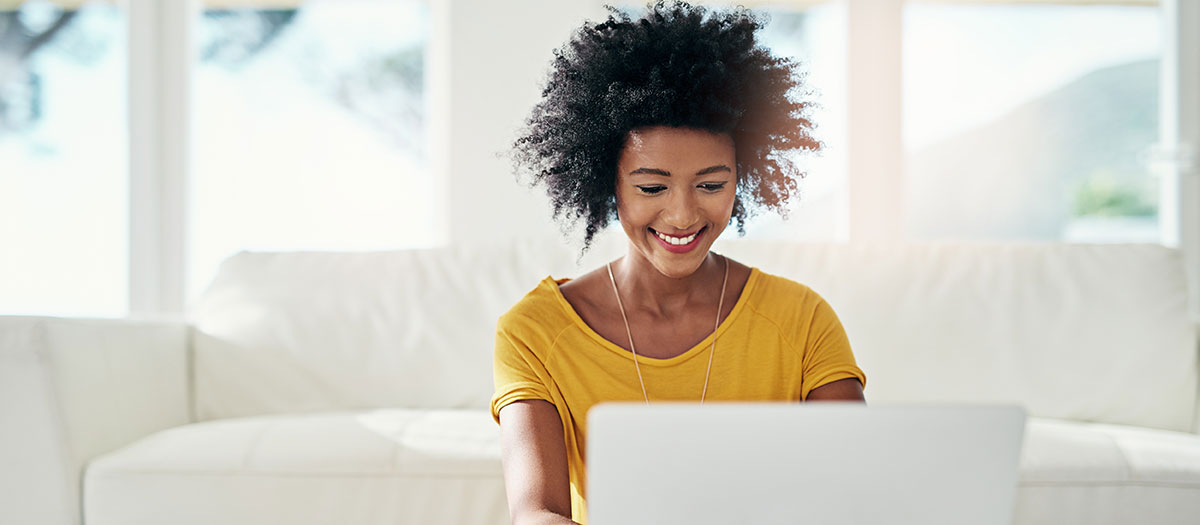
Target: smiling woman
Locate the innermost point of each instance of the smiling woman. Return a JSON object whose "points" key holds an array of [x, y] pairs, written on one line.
{"points": [[673, 125]]}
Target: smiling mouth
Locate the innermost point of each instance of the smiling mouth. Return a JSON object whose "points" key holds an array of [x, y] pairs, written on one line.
{"points": [[680, 240]]}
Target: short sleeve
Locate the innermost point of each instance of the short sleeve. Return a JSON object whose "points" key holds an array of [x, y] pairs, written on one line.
{"points": [[517, 372], [827, 354]]}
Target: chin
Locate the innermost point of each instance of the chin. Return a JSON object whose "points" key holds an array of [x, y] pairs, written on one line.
{"points": [[677, 270]]}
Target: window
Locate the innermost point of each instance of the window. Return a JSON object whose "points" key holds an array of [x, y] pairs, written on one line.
{"points": [[308, 130], [307, 118], [63, 159], [1031, 122]]}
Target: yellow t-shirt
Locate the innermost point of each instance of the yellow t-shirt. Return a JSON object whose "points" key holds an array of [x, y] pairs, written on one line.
{"points": [[780, 341]]}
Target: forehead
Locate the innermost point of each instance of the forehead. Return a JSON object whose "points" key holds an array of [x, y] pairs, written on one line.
{"points": [[682, 148]]}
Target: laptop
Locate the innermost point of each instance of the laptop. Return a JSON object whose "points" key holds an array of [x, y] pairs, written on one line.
{"points": [[789, 463]]}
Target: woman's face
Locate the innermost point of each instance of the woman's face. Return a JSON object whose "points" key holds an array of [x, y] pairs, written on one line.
{"points": [[675, 194]]}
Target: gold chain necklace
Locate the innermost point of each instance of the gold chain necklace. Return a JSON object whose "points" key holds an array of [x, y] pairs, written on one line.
{"points": [[712, 350]]}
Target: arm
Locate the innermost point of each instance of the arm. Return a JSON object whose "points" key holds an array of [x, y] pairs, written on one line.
{"points": [[535, 463], [827, 352], [848, 389]]}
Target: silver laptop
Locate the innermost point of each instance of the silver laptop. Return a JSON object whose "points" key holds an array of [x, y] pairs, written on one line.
{"points": [[791, 463]]}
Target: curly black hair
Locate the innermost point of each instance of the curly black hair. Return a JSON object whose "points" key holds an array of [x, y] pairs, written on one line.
{"points": [[678, 65]]}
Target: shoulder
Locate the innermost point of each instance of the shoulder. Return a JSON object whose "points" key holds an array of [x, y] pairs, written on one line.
{"points": [[771, 288], [590, 290], [781, 284], [784, 300], [802, 316], [539, 312]]}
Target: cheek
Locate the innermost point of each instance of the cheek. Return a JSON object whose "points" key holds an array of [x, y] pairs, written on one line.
{"points": [[723, 206], [634, 216], [627, 214]]}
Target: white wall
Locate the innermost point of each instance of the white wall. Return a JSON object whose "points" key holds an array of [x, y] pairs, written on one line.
{"points": [[488, 63]]}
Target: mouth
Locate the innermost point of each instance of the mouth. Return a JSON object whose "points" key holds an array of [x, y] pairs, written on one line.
{"points": [[679, 243]]}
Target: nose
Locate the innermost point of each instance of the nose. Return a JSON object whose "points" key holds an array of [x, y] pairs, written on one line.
{"points": [[682, 210]]}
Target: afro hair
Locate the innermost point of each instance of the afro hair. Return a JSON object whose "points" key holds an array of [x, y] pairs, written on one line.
{"points": [[680, 66]]}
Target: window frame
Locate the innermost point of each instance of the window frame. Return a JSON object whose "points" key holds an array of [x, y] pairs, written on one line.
{"points": [[160, 68]]}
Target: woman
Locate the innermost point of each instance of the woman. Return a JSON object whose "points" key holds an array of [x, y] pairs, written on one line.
{"points": [[671, 124]]}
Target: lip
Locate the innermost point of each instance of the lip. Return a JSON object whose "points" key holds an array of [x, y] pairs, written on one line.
{"points": [[680, 248]]}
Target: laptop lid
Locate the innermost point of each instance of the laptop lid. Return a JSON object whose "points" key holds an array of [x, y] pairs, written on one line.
{"points": [[789, 463]]}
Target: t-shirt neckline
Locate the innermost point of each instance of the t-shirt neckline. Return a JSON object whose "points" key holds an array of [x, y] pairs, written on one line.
{"points": [[699, 348]]}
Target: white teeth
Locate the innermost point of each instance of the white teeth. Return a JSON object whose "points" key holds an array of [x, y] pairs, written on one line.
{"points": [[677, 240]]}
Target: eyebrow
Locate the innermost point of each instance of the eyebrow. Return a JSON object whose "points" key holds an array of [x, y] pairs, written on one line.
{"points": [[665, 173]]}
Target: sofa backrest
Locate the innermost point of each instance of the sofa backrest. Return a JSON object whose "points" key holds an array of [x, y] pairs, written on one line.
{"points": [[311, 331], [1084, 332]]}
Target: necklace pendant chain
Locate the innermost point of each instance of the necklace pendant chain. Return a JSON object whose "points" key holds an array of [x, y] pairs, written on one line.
{"points": [[712, 349]]}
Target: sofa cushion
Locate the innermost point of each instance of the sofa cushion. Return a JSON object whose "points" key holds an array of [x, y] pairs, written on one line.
{"points": [[428, 466], [1101, 474], [380, 466]]}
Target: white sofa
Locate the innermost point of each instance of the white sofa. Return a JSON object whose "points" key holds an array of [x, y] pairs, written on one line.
{"points": [[352, 388]]}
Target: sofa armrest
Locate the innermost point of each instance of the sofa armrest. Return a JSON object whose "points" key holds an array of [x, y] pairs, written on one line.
{"points": [[73, 389]]}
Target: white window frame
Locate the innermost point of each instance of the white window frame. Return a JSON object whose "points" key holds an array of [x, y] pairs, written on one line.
{"points": [[1176, 157], [160, 67]]}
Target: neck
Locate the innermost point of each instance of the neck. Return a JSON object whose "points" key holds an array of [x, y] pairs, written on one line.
{"points": [[645, 288]]}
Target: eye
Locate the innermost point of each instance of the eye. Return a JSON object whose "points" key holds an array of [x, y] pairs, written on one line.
{"points": [[713, 186], [651, 190]]}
